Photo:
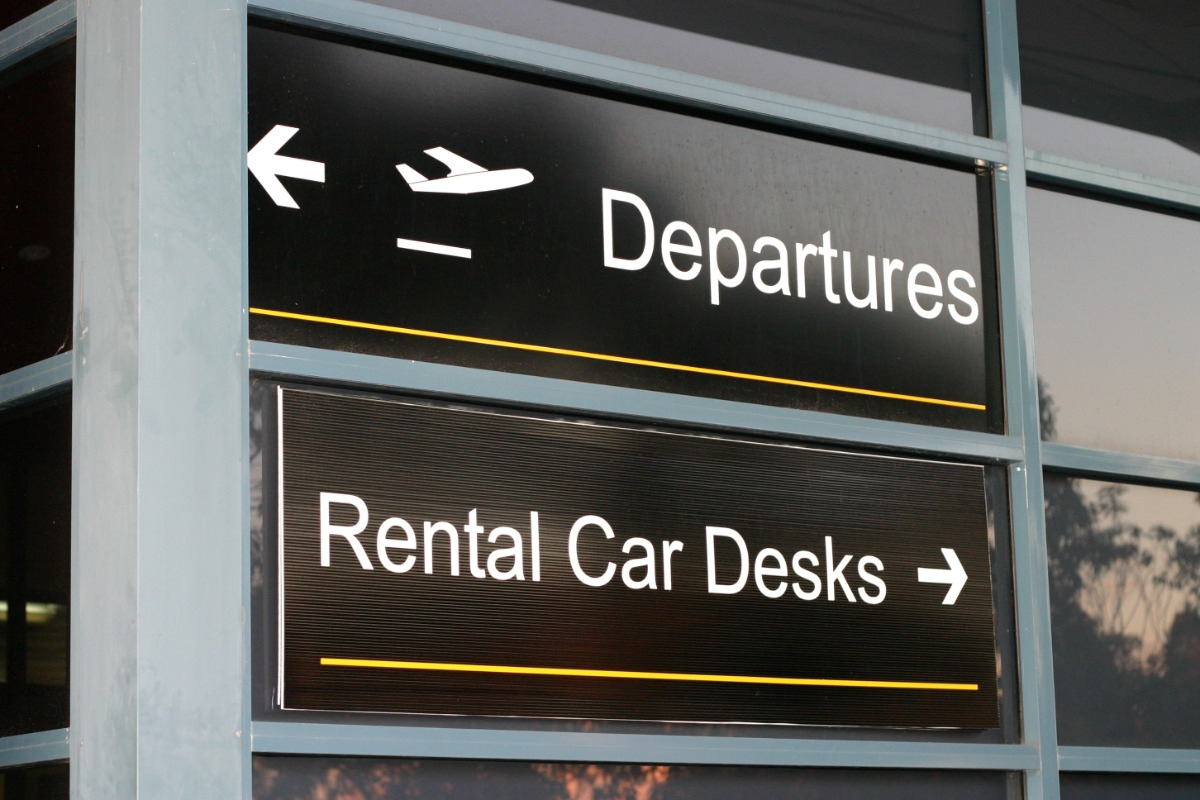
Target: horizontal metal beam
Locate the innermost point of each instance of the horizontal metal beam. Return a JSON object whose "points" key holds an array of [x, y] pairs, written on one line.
{"points": [[1069, 173], [421, 742], [1127, 759], [35, 33], [305, 362], [366, 20], [1104, 463], [33, 748], [37, 378]]}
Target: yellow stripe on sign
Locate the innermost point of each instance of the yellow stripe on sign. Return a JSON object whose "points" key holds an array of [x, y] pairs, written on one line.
{"points": [[645, 676], [640, 362]]}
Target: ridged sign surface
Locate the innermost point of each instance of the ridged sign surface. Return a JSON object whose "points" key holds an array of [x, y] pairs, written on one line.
{"points": [[452, 560]]}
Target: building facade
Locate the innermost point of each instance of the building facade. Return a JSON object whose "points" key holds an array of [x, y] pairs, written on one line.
{"points": [[918, 276]]}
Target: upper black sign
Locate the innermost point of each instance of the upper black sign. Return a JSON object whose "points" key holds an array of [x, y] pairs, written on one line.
{"points": [[414, 209], [466, 561]]}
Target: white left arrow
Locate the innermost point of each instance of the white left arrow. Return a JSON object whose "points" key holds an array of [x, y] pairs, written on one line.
{"points": [[956, 576], [267, 165]]}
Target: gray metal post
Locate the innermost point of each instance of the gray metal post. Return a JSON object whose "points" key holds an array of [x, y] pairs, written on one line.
{"points": [[157, 653], [1029, 527]]}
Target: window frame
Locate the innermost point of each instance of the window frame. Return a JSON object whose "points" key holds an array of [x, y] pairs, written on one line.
{"points": [[23, 40]]}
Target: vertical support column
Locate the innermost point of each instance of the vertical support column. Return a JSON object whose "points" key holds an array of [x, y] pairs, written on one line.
{"points": [[158, 703], [1021, 393]]}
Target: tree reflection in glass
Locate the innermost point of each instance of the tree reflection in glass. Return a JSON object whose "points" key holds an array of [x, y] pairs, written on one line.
{"points": [[353, 779], [325, 778], [1125, 609]]}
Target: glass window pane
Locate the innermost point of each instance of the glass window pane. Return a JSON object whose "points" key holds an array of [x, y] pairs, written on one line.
{"points": [[1125, 606], [278, 777], [920, 60], [1115, 290], [35, 565], [37, 190], [13, 11], [1113, 81], [43, 782], [1109, 786]]}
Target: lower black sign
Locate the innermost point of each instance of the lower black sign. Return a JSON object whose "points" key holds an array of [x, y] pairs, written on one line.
{"points": [[464, 561]]}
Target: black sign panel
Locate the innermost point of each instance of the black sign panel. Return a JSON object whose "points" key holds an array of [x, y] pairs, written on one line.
{"points": [[464, 561], [428, 211]]}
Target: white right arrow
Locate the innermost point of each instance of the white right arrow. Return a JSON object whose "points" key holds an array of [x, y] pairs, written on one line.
{"points": [[956, 576], [267, 165]]}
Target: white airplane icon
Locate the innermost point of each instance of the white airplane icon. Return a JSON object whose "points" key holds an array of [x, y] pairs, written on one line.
{"points": [[466, 177]]}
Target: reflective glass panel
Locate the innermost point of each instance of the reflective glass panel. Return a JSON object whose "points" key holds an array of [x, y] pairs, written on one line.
{"points": [[293, 778], [1109, 786], [43, 782], [13, 11], [920, 60], [1115, 293], [1125, 606], [37, 190], [1113, 81], [35, 565]]}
